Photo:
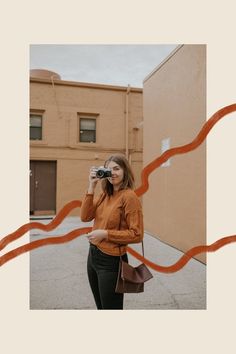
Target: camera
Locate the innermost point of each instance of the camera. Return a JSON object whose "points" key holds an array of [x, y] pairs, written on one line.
{"points": [[103, 172]]}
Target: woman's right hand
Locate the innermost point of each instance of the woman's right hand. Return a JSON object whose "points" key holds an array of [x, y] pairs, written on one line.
{"points": [[93, 180]]}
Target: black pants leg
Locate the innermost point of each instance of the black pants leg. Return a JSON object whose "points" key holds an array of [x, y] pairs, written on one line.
{"points": [[102, 274], [93, 281]]}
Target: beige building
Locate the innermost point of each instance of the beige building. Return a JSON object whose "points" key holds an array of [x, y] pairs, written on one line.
{"points": [[174, 112], [77, 125], [74, 126]]}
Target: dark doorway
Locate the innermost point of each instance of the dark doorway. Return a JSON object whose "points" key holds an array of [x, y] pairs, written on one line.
{"points": [[42, 187]]}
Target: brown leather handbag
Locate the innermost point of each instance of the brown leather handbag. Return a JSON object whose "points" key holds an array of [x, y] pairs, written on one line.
{"points": [[131, 279]]}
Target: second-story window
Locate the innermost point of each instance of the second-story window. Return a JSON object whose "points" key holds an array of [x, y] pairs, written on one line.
{"points": [[35, 127], [87, 130]]}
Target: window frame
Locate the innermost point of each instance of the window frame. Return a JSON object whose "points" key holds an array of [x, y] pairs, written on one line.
{"points": [[39, 114], [87, 116]]}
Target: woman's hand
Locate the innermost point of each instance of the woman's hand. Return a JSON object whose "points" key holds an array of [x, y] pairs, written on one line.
{"points": [[97, 235], [93, 180]]}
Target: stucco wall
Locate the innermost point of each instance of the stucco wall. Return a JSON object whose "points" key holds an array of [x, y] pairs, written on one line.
{"points": [[175, 109], [61, 102]]}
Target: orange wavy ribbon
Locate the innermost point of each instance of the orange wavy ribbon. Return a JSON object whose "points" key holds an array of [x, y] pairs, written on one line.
{"points": [[184, 148], [186, 256], [140, 191], [43, 242], [37, 225]]}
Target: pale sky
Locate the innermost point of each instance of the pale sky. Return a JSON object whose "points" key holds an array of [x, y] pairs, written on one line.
{"points": [[105, 64]]}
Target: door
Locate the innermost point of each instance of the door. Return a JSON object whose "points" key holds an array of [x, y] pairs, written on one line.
{"points": [[42, 187]]}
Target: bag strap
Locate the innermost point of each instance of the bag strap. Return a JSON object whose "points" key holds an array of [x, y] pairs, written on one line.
{"points": [[142, 249], [119, 246]]}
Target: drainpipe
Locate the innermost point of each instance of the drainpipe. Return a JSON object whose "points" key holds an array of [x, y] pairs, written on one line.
{"points": [[127, 122], [55, 97]]}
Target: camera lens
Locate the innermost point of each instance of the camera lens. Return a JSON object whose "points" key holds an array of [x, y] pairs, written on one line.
{"points": [[100, 173]]}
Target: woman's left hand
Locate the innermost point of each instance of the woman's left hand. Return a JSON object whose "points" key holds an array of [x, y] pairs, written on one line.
{"points": [[97, 235]]}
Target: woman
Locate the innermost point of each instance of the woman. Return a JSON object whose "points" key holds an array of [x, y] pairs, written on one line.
{"points": [[118, 221]]}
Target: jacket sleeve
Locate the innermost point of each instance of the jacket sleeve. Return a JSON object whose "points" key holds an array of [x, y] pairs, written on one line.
{"points": [[88, 207], [134, 219]]}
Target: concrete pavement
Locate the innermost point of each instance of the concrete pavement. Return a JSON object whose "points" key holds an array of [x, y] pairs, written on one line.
{"points": [[58, 278]]}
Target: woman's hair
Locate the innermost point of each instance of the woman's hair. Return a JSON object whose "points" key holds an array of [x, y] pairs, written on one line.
{"points": [[128, 180]]}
